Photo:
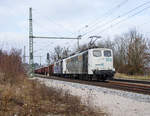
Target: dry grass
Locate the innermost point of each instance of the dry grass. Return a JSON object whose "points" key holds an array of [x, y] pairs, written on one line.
{"points": [[20, 96], [137, 77], [34, 99]]}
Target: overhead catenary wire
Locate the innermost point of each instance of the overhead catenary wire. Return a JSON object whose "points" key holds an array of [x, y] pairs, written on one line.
{"points": [[124, 19], [106, 14], [116, 18]]}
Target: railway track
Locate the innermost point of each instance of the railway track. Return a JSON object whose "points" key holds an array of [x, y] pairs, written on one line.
{"points": [[113, 84], [133, 87], [132, 81]]}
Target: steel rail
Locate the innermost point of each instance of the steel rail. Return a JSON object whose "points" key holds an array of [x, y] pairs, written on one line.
{"points": [[124, 86]]}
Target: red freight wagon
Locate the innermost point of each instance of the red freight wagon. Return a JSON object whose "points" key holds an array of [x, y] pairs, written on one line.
{"points": [[46, 70], [51, 69]]}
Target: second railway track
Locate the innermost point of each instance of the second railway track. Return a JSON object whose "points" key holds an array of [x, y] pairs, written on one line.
{"points": [[119, 85]]}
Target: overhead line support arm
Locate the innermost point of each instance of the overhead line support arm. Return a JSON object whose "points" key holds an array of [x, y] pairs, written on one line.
{"points": [[55, 37]]}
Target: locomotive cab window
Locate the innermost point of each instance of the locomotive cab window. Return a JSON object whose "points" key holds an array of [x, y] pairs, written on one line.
{"points": [[97, 53], [107, 53]]}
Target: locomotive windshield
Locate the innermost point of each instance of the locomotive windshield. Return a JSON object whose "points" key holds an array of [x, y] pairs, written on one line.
{"points": [[107, 53], [97, 53]]}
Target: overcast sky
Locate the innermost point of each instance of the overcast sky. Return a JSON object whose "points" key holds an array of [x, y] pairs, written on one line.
{"points": [[67, 18]]}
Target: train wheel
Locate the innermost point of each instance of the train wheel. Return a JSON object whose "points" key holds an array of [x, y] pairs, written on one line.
{"points": [[89, 78], [98, 79]]}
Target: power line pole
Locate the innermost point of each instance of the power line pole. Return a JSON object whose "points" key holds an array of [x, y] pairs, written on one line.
{"points": [[79, 37], [31, 63], [24, 55], [40, 60], [31, 60]]}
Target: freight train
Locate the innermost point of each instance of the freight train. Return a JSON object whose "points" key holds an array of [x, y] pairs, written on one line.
{"points": [[96, 63]]}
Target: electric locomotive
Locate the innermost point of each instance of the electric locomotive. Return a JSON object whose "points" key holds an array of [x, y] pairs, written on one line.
{"points": [[96, 63]]}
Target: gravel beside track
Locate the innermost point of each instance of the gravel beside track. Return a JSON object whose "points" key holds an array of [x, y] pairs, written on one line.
{"points": [[115, 102], [126, 86]]}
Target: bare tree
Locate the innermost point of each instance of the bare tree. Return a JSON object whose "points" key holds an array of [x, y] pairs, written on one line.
{"points": [[66, 52], [137, 54], [59, 53], [120, 52], [131, 53]]}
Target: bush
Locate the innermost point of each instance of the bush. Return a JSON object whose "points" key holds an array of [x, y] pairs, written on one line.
{"points": [[11, 66], [23, 97]]}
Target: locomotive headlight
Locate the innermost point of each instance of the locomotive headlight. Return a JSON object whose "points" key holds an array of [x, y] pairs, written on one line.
{"points": [[113, 69]]}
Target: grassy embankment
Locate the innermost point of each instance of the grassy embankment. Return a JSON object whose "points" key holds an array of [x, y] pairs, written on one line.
{"points": [[136, 77], [20, 96]]}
